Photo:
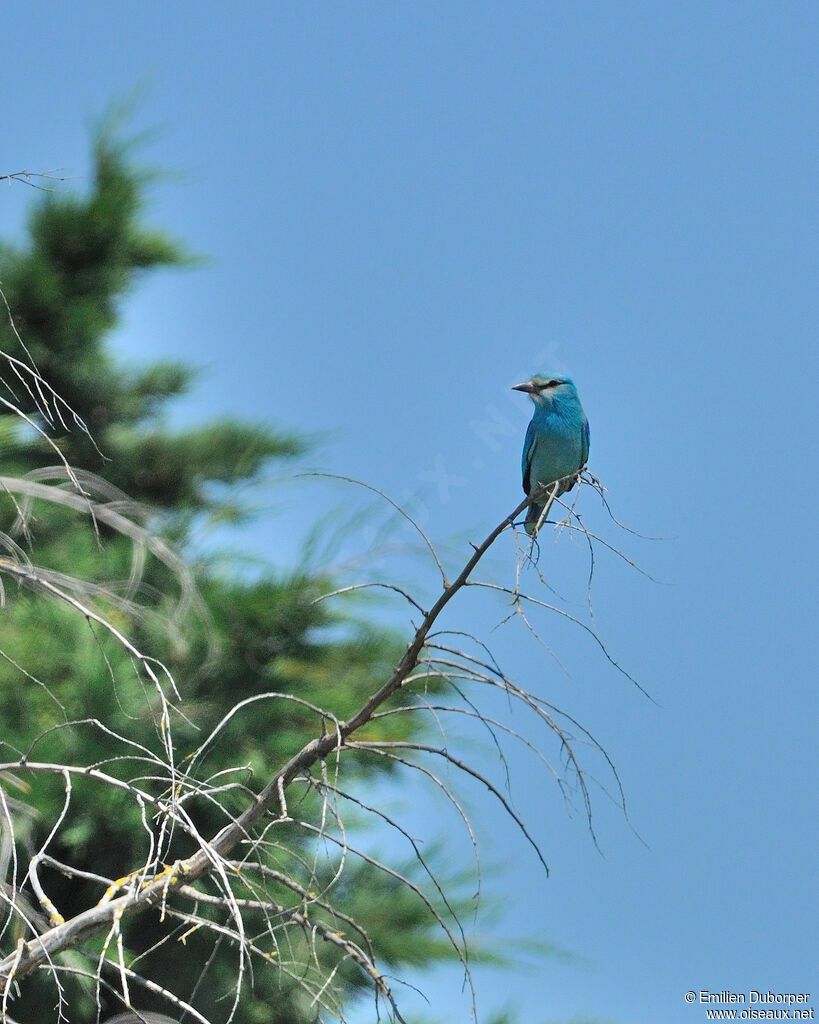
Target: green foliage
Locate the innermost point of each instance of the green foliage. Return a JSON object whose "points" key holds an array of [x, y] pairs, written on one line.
{"points": [[62, 675], [64, 292]]}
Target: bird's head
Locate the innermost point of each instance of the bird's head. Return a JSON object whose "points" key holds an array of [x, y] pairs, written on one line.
{"points": [[544, 388]]}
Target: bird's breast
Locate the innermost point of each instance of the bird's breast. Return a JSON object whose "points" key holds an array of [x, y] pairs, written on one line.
{"points": [[557, 450]]}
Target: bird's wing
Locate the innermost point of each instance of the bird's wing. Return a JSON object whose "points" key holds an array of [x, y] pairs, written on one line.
{"points": [[584, 443], [526, 461]]}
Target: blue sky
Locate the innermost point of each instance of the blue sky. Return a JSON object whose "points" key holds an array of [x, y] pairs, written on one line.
{"points": [[408, 208]]}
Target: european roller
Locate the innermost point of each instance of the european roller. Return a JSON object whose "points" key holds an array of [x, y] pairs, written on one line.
{"points": [[557, 440]]}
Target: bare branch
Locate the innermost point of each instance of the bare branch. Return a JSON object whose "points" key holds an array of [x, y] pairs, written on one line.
{"points": [[34, 178], [229, 874]]}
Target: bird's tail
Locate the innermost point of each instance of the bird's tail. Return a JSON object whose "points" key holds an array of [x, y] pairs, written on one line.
{"points": [[533, 517]]}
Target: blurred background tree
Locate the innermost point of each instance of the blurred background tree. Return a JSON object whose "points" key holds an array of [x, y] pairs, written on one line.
{"points": [[253, 632]]}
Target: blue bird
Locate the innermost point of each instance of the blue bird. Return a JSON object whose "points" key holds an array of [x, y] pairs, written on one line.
{"points": [[557, 440]]}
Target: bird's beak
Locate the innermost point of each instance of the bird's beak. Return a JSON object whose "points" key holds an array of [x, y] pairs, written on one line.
{"points": [[526, 386]]}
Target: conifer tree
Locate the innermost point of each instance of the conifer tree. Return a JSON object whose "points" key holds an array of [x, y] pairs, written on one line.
{"points": [[65, 287]]}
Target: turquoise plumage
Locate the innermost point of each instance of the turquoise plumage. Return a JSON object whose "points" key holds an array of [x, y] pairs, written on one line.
{"points": [[557, 440]]}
